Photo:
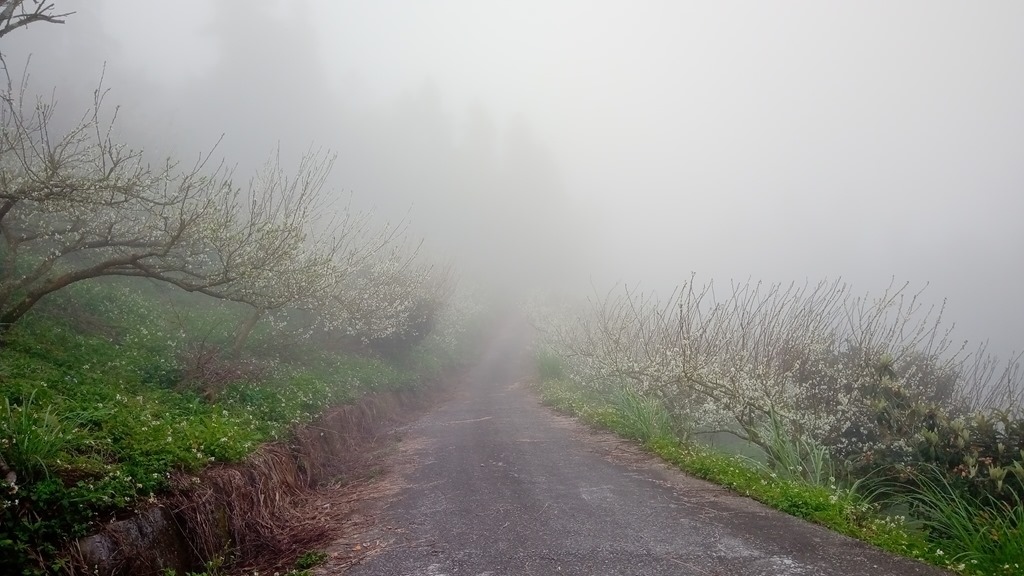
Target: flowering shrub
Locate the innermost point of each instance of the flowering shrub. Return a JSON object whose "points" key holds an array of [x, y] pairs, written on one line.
{"points": [[456, 325], [816, 356], [390, 304], [981, 454]]}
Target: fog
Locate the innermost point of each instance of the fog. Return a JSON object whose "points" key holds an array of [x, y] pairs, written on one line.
{"points": [[571, 145]]}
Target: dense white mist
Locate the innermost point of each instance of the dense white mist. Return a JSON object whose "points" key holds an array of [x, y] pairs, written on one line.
{"points": [[568, 143]]}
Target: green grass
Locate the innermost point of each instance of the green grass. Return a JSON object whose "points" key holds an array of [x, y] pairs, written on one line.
{"points": [[641, 418], [794, 458], [216, 567], [311, 559], [93, 422], [953, 532], [33, 438], [550, 366], [973, 531]]}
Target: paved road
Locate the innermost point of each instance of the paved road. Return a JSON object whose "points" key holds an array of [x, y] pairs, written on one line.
{"points": [[498, 485]]}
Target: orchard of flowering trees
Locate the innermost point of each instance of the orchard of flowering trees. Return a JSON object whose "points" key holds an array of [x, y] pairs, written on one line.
{"points": [[76, 205], [832, 365]]}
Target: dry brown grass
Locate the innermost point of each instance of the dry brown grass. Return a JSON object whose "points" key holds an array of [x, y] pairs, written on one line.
{"points": [[289, 498]]}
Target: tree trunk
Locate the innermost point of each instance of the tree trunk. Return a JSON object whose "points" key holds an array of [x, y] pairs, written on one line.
{"points": [[243, 332], [12, 315]]}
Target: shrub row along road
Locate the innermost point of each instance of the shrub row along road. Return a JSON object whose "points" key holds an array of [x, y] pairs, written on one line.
{"points": [[501, 486]]}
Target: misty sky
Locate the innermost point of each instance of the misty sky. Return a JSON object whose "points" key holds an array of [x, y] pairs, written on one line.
{"points": [[586, 142]]}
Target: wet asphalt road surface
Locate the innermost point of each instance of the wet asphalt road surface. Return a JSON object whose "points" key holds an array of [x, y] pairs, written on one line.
{"points": [[499, 485]]}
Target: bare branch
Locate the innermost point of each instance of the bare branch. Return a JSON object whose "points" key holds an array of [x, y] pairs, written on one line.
{"points": [[16, 14]]}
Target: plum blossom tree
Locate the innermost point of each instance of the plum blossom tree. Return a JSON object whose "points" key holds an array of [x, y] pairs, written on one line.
{"points": [[320, 255], [75, 205], [815, 356], [390, 301]]}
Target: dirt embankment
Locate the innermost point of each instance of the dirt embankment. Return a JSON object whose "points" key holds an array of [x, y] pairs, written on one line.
{"points": [[283, 500]]}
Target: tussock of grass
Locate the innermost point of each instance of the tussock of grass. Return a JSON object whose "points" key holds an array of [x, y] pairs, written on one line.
{"points": [[973, 531], [641, 418], [795, 458]]}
